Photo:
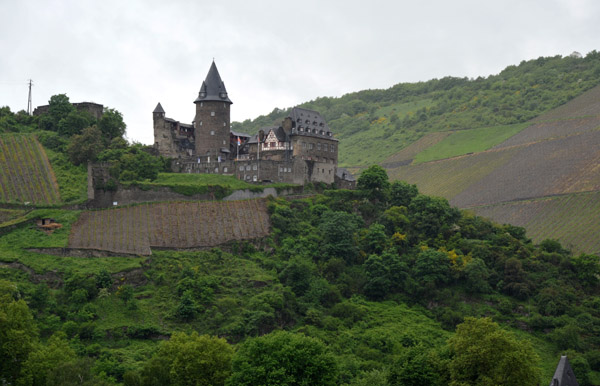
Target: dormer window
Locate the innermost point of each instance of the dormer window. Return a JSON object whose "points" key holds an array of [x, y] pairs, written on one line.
{"points": [[202, 95], [321, 124], [322, 133], [301, 128], [329, 133], [307, 122]]}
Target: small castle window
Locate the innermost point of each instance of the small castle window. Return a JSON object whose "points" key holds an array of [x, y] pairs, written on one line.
{"points": [[224, 124], [212, 132], [310, 146], [332, 148], [224, 143], [224, 170], [200, 123], [254, 167], [248, 167], [318, 146], [325, 147], [254, 179], [216, 170], [212, 113], [201, 104], [242, 168]]}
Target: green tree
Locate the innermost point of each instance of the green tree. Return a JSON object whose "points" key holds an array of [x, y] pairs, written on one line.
{"points": [[402, 193], [284, 359], [86, 146], [42, 361], [59, 107], [484, 354], [18, 333], [415, 366], [338, 230], [199, 360], [431, 216], [374, 182], [111, 124], [74, 123]]}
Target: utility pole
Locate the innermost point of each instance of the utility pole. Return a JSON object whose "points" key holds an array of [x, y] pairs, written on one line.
{"points": [[29, 99]]}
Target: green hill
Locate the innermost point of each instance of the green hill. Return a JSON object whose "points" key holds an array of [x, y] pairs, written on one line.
{"points": [[374, 125], [553, 159]]}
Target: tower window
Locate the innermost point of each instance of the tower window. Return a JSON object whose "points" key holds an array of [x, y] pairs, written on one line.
{"points": [[212, 132], [212, 113], [201, 104], [224, 124]]}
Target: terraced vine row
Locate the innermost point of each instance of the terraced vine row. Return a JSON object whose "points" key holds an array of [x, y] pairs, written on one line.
{"points": [[25, 172], [572, 219], [135, 229], [545, 130]]}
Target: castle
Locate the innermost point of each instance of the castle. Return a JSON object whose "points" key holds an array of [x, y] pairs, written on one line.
{"points": [[300, 150]]}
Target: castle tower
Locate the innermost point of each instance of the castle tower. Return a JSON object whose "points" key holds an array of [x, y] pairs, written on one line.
{"points": [[212, 120], [163, 139]]}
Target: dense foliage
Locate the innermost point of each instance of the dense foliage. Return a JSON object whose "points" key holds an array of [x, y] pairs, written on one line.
{"points": [[374, 124], [352, 287]]}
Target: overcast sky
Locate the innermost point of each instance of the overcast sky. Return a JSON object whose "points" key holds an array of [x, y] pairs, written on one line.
{"points": [[130, 55]]}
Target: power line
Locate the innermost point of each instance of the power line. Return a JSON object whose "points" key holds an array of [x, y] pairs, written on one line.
{"points": [[29, 99]]}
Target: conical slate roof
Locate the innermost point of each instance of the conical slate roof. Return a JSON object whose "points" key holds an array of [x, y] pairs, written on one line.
{"points": [[159, 109], [564, 375], [213, 88]]}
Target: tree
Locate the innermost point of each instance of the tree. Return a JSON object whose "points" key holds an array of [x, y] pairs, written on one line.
{"points": [[284, 359], [111, 124], [415, 366], [41, 362], [338, 229], [74, 123], [86, 146], [402, 193], [59, 107], [18, 333], [194, 359], [484, 354], [374, 182], [432, 215]]}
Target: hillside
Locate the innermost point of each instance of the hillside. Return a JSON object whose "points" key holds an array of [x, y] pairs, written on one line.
{"points": [[525, 179], [26, 175], [374, 125], [367, 278]]}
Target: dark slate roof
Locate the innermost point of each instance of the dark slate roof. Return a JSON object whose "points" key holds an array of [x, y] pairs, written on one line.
{"points": [[309, 122], [238, 134], [159, 109], [213, 88], [564, 375], [253, 139], [344, 174]]}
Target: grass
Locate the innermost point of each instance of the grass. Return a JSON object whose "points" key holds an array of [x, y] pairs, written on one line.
{"points": [[382, 135], [469, 141], [219, 185], [72, 180]]}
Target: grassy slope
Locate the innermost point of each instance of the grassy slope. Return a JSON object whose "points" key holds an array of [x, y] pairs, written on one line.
{"points": [[555, 155], [469, 141]]}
